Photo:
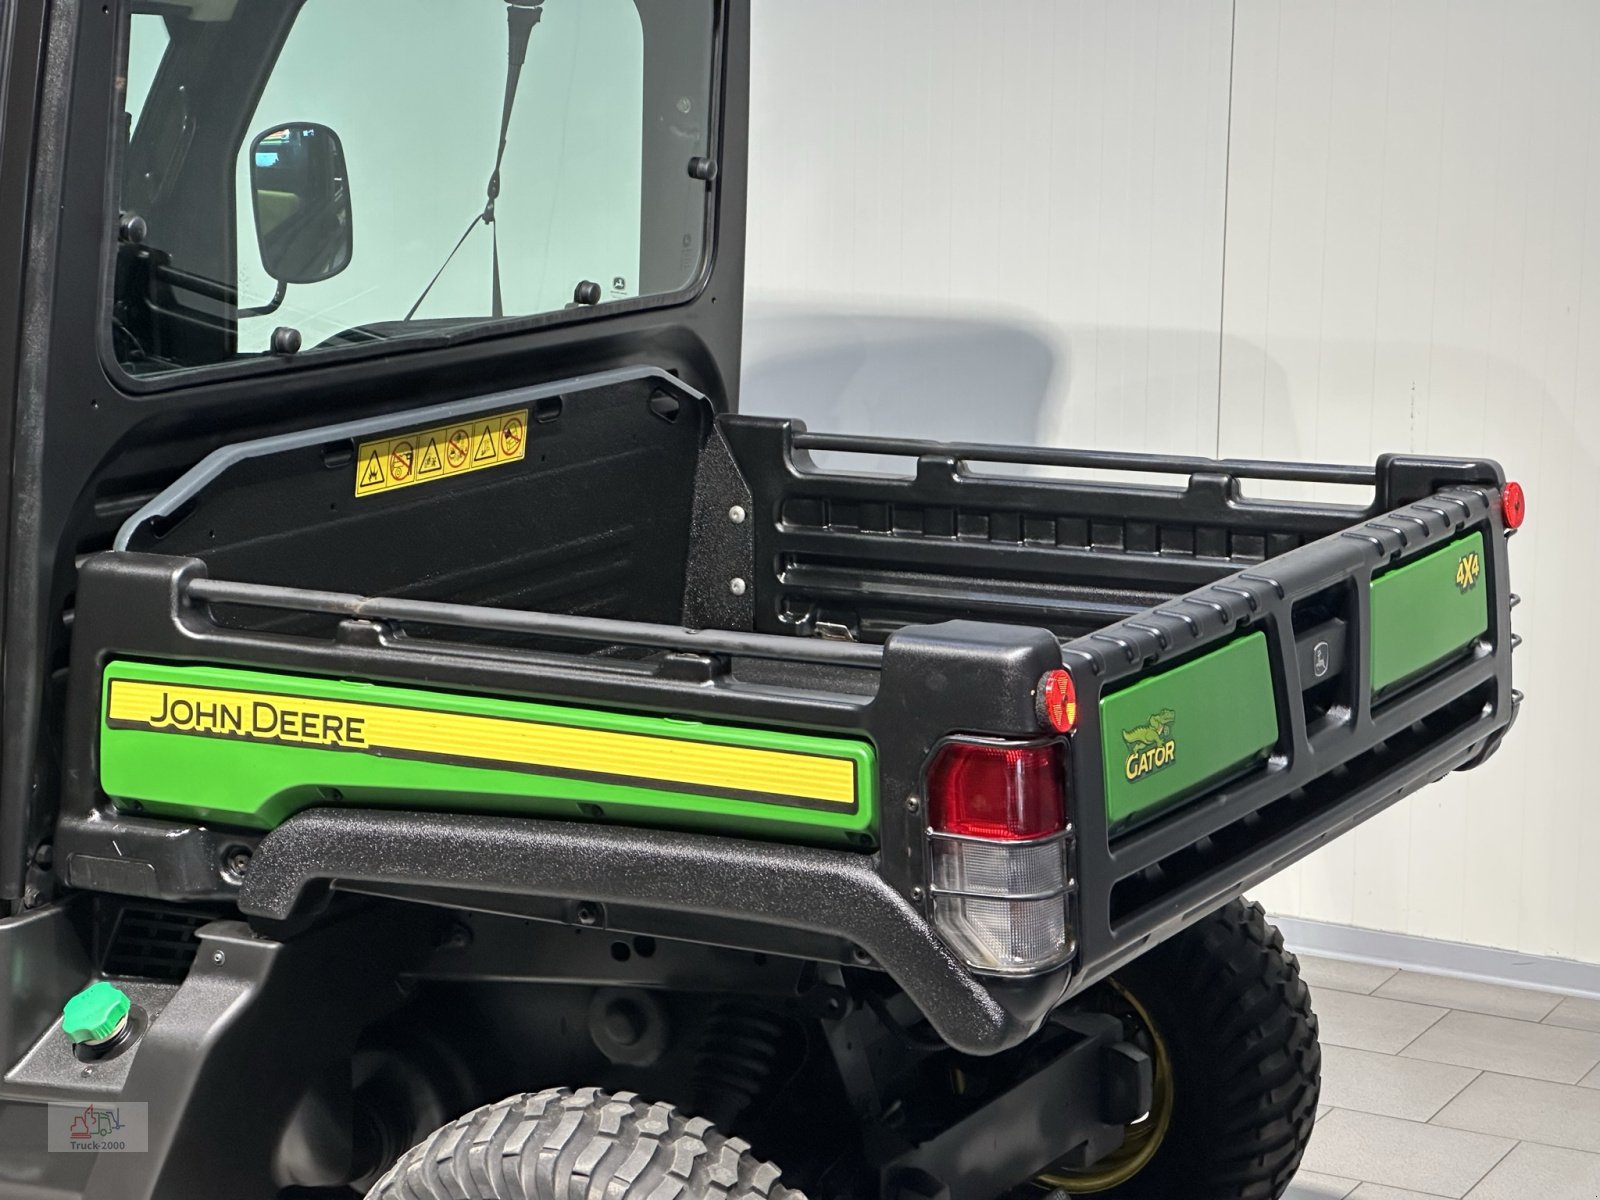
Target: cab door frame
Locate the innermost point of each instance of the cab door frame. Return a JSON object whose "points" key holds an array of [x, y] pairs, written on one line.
{"points": [[28, 229]]}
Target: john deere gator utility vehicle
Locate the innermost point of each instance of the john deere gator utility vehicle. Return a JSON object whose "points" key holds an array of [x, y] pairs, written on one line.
{"points": [[447, 751]]}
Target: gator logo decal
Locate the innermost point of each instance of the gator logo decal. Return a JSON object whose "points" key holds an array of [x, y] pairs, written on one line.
{"points": [[1150, 746], [1468, 571]]}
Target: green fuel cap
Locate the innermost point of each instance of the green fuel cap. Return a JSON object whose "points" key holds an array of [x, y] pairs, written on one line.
{"points": [[95, 1013]]}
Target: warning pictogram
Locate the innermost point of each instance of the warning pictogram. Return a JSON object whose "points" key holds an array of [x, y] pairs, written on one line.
{"points": [[511, 436], [372, 476], [456, 449], [431, 463], [440, 453], [483, 448], [400, 456]]}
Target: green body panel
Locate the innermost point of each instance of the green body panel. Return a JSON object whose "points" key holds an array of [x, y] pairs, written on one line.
{"points": [[1178, 730], [1427, 610], [230, 780]]}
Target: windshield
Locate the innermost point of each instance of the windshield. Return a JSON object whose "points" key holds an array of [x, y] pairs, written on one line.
{"points": [[304, 177]]}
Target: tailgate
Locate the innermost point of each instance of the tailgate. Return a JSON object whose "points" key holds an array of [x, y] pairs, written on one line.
{"points": [[1246, 723]]}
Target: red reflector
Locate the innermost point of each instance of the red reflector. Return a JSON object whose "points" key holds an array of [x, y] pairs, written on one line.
{"points": [[988, 790], [1513, 505], [1058, 701]]}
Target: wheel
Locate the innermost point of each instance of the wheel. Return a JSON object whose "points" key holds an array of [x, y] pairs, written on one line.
{"points": [[1228, 1024], [580, 1145]]}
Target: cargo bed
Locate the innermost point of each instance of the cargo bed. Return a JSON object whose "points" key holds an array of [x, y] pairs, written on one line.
{"points": [[1252, 677]]}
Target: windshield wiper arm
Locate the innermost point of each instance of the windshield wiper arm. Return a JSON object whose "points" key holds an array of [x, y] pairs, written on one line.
{"points": [[521, 17]]}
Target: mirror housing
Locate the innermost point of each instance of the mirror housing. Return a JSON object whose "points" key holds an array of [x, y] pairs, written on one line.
{"points": [[301, 193]]}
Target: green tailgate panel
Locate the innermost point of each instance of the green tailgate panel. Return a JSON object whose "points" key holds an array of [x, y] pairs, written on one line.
{"points": [[1168, 735], [248, 748], [1428, 610]]}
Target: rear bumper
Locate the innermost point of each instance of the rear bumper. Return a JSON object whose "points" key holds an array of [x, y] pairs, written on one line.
{"points": [[637, 880]]}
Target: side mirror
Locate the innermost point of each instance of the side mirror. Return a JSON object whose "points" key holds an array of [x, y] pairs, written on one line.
{"points": [[302, 203]]}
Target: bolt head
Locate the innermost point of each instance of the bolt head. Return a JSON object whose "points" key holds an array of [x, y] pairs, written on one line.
{"points": [[913, 803], [736, 586], [736, 514], [916, 892], [219, 958]]}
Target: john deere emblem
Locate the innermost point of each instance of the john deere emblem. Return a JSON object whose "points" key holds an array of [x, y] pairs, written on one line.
{"points": [[1150, 746], [1468, 571]]}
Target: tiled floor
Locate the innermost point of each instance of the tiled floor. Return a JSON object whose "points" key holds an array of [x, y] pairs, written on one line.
{"points": [[1435, 1087]]}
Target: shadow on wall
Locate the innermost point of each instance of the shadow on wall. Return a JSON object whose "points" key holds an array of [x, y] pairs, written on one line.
{"points": [[1006, 378], [1010, 378], [893, 375]]}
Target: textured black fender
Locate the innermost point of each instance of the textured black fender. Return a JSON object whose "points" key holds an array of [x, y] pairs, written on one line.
{"points": [[785, 887]]}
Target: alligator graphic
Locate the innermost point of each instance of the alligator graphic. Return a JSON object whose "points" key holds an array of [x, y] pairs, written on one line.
{"points": [[1154, 733]]}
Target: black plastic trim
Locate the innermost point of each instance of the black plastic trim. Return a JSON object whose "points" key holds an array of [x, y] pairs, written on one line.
{"points": [[831, 892], [213, 466]]}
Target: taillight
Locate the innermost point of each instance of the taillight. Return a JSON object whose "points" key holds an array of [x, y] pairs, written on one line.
{"points": [[997, 818], [1513, 505], [997, 790]]}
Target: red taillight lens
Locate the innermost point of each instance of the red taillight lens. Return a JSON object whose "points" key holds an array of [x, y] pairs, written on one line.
{"points": [[992, 790], [1513, 505], [1058, 701]]}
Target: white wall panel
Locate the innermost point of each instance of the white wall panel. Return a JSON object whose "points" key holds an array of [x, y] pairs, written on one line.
{"points": [[1035, 180], [1412, 238]]}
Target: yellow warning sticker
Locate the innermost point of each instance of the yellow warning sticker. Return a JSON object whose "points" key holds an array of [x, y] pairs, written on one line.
{"points": [[442, 452]]}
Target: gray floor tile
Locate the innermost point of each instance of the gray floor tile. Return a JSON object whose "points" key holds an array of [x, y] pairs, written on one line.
{"points": [[1402, 1154], [1323, 1109], [1342, 976], [1533, 1172], [1509, 1047], [1388, 1086], [1576, 1012], [1556, 1114], [1591, 1080], [1376, 1191], [1469, 995], [1371, 1023], [1308, 1185]]}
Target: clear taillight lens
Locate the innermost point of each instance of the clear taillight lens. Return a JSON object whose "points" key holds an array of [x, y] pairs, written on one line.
{"points": [[998, 865], [1012, 937], [1004, 870]]}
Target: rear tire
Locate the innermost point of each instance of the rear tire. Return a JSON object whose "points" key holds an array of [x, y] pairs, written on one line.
{"points": [[580, 1145], [1227, 1001]]}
